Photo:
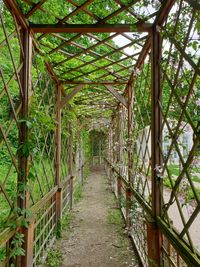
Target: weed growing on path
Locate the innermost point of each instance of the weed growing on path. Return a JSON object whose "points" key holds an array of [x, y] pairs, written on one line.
{"points": [[78, 193], [54, 258]]}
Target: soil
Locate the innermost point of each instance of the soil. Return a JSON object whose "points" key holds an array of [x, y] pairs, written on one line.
{"points": [[94, 239]]}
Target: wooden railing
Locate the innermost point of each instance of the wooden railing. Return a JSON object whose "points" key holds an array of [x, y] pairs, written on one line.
{"points": [[43, 222], [138, 215]]}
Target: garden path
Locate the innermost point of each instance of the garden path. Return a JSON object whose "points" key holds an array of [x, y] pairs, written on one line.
{"points": [[96, 237]]}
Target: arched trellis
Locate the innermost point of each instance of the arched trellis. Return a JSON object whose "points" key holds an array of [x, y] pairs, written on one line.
{"points": [[140, 167]]}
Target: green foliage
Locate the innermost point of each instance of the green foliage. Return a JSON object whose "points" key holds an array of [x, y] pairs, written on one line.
{"points": [[16, 246], [167, 183], [54, 258], [2, 255], [190, 195], [66, 220], [174, 169], [114, 217], [58, 230], [64, 223], [78, 193]]}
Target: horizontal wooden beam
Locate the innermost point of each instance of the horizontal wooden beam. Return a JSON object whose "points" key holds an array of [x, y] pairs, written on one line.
{"points": [[93, 83], [118, 96], [88, 28]]}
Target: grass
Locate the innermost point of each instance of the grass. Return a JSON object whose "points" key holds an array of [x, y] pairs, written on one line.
{"points": [[174, 170], [167, 183], [196, 178], [114, 217], [54, 258], [190, 194], [66, 220], [11, 185], [196, 169], [78, 193]]}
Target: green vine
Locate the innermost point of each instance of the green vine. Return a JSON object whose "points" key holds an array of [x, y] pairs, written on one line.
{"points": [[16, 246]]}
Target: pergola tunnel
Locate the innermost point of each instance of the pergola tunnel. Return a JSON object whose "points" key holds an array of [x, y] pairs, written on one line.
{"points": [[113, 84]]}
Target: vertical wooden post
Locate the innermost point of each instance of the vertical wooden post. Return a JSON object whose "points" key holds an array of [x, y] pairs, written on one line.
{"points": [[118, 139], [92, 154], [71, 188], [153, 234], [128, 207], [23, 160], [27, 261], [129, 148], [130, 160], [82, 175], [119, 190], [23, 200], [58, 155], [71, 165]]}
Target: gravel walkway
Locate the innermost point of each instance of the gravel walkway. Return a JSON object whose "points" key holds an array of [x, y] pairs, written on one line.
{"points": [[96, 239]]}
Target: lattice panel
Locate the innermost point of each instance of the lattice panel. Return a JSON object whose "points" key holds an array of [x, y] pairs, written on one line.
{"points": [[42, 133], [170, 255], [66, 194], [119, 141], [64, 146], [64, 158], [90, 11], [139, 230], [44, 230], [11, 64], [181, 110], [141, 131]]}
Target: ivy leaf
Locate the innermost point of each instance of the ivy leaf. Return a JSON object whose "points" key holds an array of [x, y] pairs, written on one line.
{"points": [[25, 223]]}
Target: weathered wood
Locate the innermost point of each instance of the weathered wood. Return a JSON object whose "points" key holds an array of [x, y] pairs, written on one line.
{"points": [[23, 160], [154, 238], [87, 28], [71, 95], [58, 155], [93, 82], [17, 12], [28, 233], [40, 204], [82, 174], [55, 78], [119, 97], [119, 187], [71, 187], [128, 206], [25, 79]]}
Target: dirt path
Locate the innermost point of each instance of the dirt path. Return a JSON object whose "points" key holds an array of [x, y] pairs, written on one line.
{"points": [[96, 237]]}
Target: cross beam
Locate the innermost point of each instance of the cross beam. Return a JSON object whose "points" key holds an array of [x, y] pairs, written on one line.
{"points": [[88, 28], [94, 83], [71, 95], [117, 95]]}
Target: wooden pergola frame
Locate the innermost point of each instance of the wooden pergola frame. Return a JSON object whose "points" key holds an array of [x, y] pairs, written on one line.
{"points": [[81, 79]]}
